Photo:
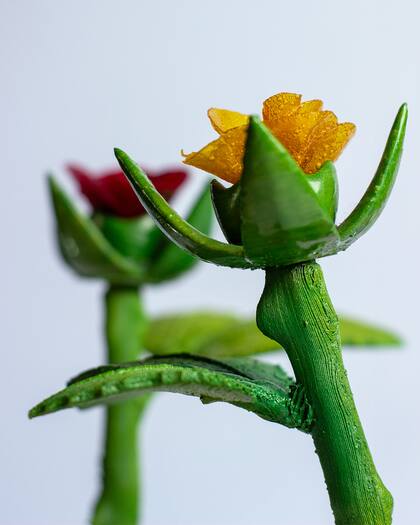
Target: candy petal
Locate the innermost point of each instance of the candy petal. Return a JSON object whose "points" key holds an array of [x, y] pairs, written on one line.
{"points": [[167, 182], [329, 147], [111, 193], [311, 136], [223, 120], [222, 157], [87, 185], [280, 106]]}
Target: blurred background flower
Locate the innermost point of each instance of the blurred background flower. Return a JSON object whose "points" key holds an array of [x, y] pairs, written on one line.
{"points": [[110, 192]]}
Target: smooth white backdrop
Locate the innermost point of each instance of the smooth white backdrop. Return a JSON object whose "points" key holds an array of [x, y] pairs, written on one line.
{"points": [[80, 77]]}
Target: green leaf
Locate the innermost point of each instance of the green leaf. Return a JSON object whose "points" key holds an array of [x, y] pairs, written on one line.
{"points": [[171, 261], [283, 221], [359, 333], [84, 247], [216, 335], [373, 201], [179, 231], [209, 334], [261, 388]]}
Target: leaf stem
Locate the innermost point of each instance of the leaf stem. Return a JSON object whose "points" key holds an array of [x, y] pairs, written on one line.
{"points": [[296, 311], [125, 326]]}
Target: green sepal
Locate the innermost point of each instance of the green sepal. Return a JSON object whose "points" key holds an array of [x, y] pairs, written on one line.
{"points": [[325, 185], [226, 205], [84, 247], [261, 388], [136, 238], [171, 261], [373, 201], [215, 335], [177, 229], [282, 220]]}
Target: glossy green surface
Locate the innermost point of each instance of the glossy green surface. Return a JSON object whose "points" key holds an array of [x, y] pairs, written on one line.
{"points": [[213, 334], [373, 201], [282, 220], [85, 248], [226, 205], [325, 185], [170, 261], [125, 327], [261, 388], [227, 201], [178, 230], [136, 238], [295, 310]]}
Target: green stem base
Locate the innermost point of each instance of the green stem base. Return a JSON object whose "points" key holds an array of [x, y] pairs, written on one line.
{"points": [[295, 310]]}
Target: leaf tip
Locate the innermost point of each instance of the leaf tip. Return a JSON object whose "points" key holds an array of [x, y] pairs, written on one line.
{"points": [[52, 183], [254, 123], [33, 412], [401, 118], [404, 109]]}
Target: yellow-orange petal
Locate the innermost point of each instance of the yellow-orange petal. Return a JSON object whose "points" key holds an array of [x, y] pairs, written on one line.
{"points": [[223, 120], [328, 147], [294, 131], [280, 106], [314, 131], [310, 105], [222, 157]]}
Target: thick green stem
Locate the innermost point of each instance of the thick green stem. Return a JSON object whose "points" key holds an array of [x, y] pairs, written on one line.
{"points": [[296, 311], [125, 325]]}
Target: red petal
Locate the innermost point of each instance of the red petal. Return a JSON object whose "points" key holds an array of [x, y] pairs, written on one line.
{"points": [[87, 185], [112, 193], [167, 182]]}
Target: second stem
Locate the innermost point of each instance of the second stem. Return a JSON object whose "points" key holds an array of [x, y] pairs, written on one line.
{"points": [[125, 324]]}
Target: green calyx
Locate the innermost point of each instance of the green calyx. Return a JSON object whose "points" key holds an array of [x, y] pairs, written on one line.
{"points": [[118, 250], [276, 214], [227, 201], [282, 219]]}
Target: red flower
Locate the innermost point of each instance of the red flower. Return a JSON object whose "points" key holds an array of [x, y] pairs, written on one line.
{"points": [[110, 192]]}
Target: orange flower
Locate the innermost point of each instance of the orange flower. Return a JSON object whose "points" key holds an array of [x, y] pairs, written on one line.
{"points": [[311, 136]]}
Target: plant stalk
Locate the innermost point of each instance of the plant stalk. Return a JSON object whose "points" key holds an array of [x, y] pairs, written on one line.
{"points": [[125, 325], [295, 310]]}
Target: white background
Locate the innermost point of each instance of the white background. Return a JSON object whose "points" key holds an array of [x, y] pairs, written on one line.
{"points": [[78, 78]]}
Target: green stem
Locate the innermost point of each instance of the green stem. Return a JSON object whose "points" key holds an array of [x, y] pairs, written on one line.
{"points": [[125, 325], [296, 311]]}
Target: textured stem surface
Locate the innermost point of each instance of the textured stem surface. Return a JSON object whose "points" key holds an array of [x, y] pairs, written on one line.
{"points": [[125, 325], [296, 311]]}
